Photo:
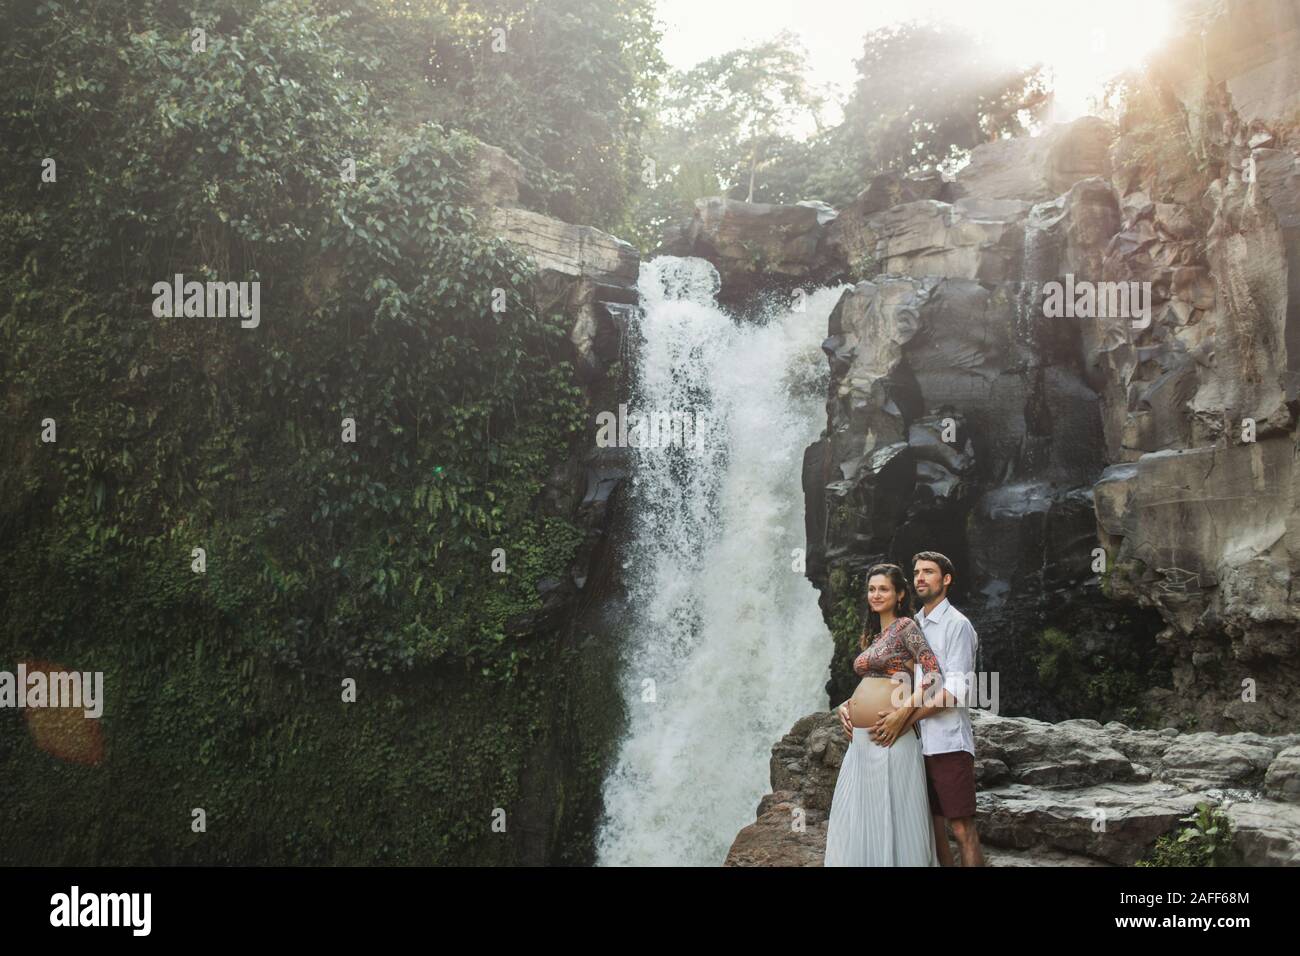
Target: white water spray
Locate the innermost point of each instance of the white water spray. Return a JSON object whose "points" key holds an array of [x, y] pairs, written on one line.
{"points": [[726, 645]]}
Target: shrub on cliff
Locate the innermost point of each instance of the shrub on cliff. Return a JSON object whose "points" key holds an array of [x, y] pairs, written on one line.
{"points": [[215, 140]]}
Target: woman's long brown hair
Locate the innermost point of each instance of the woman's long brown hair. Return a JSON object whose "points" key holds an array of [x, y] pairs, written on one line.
{"points": [[899, 580]]}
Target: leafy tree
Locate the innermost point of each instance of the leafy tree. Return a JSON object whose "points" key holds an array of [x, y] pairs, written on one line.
{"points": [[733, 107], [718, 126], [926, 94], [564, 86]]}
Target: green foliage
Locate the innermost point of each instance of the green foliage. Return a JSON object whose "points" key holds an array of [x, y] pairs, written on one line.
{"points": [[563, 86], [846, 624], [1107, 576], [866, 266], [382, 300], [720, 127], [378, 301], [1086, 683], [1054, 657], [925, 96], [1206, 840], [411, 773], [748, 124], [846, 619]]}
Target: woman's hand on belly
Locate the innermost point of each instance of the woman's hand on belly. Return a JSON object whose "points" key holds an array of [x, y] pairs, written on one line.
{"points": [[845, 721], [889, 727]]}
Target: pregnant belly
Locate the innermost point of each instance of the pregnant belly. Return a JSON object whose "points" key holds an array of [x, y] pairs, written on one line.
{"points": [[874, 694]]}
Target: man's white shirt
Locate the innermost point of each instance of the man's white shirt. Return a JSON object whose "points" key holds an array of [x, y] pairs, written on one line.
{"points": [[953, 640]]}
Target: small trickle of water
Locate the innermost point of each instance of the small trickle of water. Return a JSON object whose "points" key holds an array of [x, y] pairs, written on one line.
{"points": [[726, 644], [1040, 256]]}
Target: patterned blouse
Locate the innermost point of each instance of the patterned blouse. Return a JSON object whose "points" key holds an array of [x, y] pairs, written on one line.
{"points": [[900, 646]]}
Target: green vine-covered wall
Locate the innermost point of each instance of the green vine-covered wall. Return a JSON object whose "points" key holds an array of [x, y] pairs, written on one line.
{"points": [[383, 301]]}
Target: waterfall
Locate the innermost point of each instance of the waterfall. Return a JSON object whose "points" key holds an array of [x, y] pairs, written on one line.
{"points": [[725, 646]]}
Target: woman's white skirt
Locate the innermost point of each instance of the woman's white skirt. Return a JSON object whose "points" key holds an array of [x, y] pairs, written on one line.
{"points": [[880, 813]]}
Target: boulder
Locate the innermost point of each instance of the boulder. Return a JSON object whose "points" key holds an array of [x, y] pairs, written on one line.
{"points": [[890, 189], [1075, 792], [498, 178], [1038, 168], [757, 247], [585, 273], [973, 238], [1282, 779]]}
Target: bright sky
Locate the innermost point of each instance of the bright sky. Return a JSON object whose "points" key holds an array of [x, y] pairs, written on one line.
{"points": [[1085, 42]]}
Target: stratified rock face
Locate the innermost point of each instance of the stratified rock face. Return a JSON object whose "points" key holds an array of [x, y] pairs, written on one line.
{"points": [[972, 238], [894, 189], [588, 275], [585, 273], [961, 419], [1155, 417], [917, 224], [1199, 508], [1251, 49], [1069, 793], [1038, 168]]}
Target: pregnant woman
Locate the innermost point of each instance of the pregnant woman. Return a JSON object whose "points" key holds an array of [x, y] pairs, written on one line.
{"points": [[880, 815]]}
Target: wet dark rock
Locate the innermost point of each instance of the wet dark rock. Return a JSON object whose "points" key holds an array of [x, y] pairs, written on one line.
{"points": [[758, 247], [1128, 514], [1075, 792]]}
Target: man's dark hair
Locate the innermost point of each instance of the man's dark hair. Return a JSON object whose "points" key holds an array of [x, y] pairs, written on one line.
{"points": [[945, 566]]}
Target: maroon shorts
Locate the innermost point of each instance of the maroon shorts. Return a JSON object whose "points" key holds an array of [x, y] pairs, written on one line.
{"points": [[950, 780]]}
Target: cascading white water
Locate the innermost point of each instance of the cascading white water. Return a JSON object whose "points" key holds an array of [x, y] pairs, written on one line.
{"points": [[726, 647]]}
